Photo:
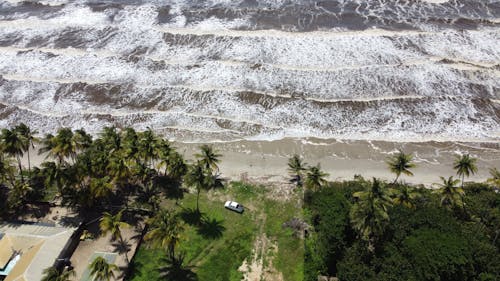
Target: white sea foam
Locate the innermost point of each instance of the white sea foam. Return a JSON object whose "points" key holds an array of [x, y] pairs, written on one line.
{"points": [[206, 77]]}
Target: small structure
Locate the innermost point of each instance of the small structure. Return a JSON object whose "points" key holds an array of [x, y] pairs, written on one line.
{"points": [[27, 249]]}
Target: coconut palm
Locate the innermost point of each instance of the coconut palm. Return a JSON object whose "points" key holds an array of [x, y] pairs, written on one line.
{"points": [[111, 139], [165, 151], [369, 215], [29, 140], [52, 274], [101, 270], [147, 145], [114, 224], [465, 165], [13, 144], [197, 178], [100, 188], [315, 178], [119, 167], [164, 232], [405, 196], [60, 146], [495, 178], [177, 167], [130, 143], [7, 168], [81, 140], [209, 158], [451, 194], [401, 163], [296, 168]]}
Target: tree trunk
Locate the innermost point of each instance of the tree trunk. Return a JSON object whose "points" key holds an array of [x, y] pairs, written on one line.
{"points": [[20, 168], [29, 161], [197, 201], [396, 180]]}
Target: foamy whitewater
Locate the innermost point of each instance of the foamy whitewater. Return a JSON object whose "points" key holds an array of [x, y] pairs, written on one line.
{"points": [[224, 70]]}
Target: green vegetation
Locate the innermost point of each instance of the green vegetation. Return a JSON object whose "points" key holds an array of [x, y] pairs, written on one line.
{"points": [[372, 230], [354, 230]]}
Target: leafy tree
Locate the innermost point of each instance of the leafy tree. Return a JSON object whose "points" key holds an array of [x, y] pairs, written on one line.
{"points": [[177, 167], [208, 158], [7, 168], [114, 224], [296, 167], [100, 188], [164, 232], [465, 165], [401, 163], [81, 140], [52, 274], [369, 215], [101, 270], [315, 178], [451, 194], [28, 138]]}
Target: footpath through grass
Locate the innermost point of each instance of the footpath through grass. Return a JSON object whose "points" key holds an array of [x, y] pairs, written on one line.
{"points": [[217, 243]]}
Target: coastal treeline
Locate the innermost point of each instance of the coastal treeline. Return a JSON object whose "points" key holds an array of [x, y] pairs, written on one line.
{"points": [[369, 229], [118, 173]]}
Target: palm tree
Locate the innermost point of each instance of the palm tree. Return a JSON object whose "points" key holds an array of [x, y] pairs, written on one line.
{"points": [[315, 178], [165, 151], [148, 143], [209, 158], [13, 145], [369, 215], [111, 139], [401, 163], [29, 139], [465, 165], [114, 225], [165, 230], [495, 177], [296, 168], [101, 270], [405, 196], [52, 274], [60, 146], [177, 167], [197, 177], [7, 168], [451, 193], [119, 167], [130, 143], [81, 140], [100, 188]]}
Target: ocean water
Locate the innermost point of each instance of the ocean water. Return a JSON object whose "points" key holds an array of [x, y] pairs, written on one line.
{"points": [[225, 70]]}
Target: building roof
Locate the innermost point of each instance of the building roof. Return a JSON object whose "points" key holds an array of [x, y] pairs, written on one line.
{"points": [[39, 246]]}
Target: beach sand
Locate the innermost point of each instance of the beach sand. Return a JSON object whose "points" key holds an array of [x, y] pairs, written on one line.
{"points": [[266, 161]]}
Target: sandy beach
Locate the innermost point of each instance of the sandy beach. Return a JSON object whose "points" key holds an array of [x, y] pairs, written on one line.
{"points": [[266, 161]]}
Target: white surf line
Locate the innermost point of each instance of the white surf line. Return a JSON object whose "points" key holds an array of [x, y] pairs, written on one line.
{"points": [[179, 128], [377, 32], [456, 63], [25, 108], [495, 101], [70, 51], [159, 112], [18, 77]]}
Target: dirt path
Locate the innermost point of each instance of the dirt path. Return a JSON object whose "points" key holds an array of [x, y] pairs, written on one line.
{"points": [[260, 268]]}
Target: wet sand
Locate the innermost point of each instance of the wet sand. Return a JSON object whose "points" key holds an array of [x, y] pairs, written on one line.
{"points": [[266, 161]]}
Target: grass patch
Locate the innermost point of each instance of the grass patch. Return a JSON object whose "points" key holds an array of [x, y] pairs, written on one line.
{"points": [[216, 243]]}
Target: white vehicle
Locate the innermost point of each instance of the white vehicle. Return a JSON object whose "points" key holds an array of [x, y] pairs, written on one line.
{"points": [[233, 206]]}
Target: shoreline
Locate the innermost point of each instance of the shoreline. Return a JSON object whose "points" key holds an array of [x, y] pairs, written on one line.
{"points": [[266, 161]]}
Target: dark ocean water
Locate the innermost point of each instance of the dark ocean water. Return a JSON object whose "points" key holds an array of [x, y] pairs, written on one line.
{"points": [[253, 69]]}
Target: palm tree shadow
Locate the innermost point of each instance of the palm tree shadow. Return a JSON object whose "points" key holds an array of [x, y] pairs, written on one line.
{"points": [[211, 228], [123, 247], [175, 270], [191, 216]]}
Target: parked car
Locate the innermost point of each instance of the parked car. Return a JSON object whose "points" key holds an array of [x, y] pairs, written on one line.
{"points": [[234, 206]]}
